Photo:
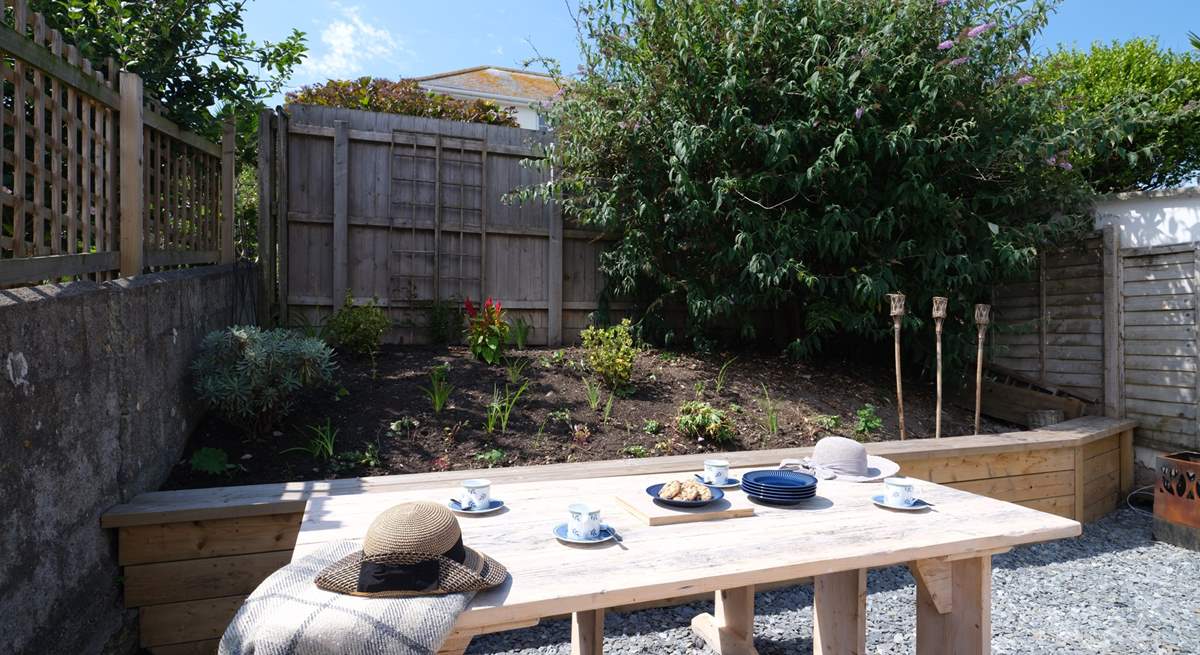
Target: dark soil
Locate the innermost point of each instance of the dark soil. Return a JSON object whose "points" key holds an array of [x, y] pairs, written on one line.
{"points": [[552, 421]]}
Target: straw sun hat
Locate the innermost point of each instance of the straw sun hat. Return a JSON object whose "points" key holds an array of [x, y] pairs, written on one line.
{"points": [[412, 549], [846, 459]]}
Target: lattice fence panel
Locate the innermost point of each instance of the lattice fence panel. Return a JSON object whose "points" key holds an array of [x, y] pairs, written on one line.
{"points": [[58, 191]]}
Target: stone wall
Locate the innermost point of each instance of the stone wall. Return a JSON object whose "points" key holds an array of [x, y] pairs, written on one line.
{"points": [[95, 408]]}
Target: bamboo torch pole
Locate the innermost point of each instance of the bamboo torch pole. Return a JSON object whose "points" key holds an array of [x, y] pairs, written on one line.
{"points": [[981, 324], [897, 302], [939, 314]]}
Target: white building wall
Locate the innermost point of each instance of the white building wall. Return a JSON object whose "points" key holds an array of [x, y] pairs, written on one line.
{"points": [[1153, 218]]}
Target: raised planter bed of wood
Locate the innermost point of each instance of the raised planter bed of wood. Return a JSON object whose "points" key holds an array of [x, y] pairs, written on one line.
{"points": [[191, 556]]}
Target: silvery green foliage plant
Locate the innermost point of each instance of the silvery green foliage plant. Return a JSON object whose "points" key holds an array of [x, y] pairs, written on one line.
{"points": [[250, 375], [759, 155]]}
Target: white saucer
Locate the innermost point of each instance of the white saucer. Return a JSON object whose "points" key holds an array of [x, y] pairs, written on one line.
{"points": [[917, 505], [455, 506], [560, 533], [731, 483]]}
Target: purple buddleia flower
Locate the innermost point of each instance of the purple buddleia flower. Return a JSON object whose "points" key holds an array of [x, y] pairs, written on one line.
{"points": [[943, 3], [858, 113], [1025, 80], [1065, 165], [946, 45], [979, 29], [960, 61]]}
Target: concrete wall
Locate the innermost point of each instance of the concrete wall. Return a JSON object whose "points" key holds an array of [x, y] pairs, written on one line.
{"points": [[1154, 218], [95, 408]]}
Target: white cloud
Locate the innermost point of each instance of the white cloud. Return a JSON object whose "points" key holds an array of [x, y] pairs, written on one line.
{"points": [[499, 50], [349, 45]]}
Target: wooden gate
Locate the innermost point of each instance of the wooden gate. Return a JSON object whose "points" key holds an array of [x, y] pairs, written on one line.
{"points": [[412, 212]]}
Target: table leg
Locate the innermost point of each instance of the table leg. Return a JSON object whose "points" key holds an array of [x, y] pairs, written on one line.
{"points": [[840, 613], [455, 644], [587, 633], [731, 630], [966, 628]]}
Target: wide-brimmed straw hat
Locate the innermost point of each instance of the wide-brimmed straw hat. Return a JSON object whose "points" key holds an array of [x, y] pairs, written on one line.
{"points": [[412, 549], [846, 459]]}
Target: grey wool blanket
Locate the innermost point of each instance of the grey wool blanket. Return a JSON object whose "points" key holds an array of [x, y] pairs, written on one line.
{"points": [[288, 615]]}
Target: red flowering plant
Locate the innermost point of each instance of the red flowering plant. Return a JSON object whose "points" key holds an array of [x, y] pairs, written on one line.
{"points": [[487, 331]]}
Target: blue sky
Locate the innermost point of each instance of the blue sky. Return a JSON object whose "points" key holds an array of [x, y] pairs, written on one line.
{"points": [[406, 38]]}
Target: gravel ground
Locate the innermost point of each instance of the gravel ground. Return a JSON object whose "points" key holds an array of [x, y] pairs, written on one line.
{"points": [[1113, 590]]}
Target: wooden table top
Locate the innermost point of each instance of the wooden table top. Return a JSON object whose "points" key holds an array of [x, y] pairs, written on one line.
{"points": [[839, 530]]}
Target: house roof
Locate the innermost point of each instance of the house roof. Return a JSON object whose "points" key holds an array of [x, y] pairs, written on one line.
{"points": [[494, 80]]}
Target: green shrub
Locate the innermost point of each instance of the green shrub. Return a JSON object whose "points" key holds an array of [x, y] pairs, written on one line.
{"points": [[700, 420], [487, 331], [401, 97], [358, 328], [250, 375], [727, 145], [609, 353]]}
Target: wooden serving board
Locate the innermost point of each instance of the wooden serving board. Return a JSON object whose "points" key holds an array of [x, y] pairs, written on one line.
{"points": [[642, 506]]}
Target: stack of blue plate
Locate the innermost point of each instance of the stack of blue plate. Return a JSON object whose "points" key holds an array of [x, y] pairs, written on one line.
{"points": [[779, 487]]}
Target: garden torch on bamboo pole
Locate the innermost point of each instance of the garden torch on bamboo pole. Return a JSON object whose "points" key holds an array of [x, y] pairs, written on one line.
{"points": [[981, 324], [939, 314], [897, 300]]}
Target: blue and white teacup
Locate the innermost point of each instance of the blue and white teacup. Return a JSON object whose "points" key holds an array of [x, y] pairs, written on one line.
{"points": [[898, 492], [716, 471], [476, 494], [584, 523]]}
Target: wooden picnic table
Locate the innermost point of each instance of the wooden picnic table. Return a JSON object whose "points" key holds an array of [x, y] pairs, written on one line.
{"points": [[834, 539]]}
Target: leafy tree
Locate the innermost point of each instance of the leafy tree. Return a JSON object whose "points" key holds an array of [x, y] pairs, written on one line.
{"points": [[769, 155], [193, 55], [401, 97], [1169, 82]]}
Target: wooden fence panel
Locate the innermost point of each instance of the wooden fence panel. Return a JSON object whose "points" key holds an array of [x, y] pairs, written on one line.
{"points": [[427, 221], [1052, 328], [61, 168], [1159, 383]]}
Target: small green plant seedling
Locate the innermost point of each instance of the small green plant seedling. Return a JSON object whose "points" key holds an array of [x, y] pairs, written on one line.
{"points": [[320, 446], [560, 415], [651, 426], [213, 461], [637, 451], [868, 423], [607, 414], [520, 332], [699, 388], [501, 407], [770, 411], [593, 390], [828, 421], [701, 421], [492, 458], [515, 368], [404, 424], [439, 388], [723, 375]]}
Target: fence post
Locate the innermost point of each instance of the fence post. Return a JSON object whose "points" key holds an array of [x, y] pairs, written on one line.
{"points": [[341, 204], [281, 209], [131, 164], [228, 162], [1114, 356], [266, 236], [554, 273]]}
